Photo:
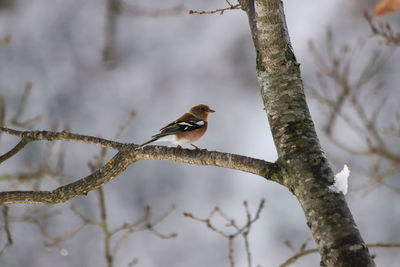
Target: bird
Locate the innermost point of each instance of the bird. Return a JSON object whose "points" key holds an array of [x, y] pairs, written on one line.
{"points": [[186, 129]]}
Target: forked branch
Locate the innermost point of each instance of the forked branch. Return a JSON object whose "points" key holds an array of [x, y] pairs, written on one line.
{"points": [[127, 154]]}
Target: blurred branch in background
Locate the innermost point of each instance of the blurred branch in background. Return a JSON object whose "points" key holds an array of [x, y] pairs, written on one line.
{"points": [[144, 223], [9, 240], [40, 215], [55, 173], [16, 120], [6, 40], [302, 251], [6, 4], [383, 30], [33, 179], [116, 8], [109, 50], [243, 231], [358, 102]]}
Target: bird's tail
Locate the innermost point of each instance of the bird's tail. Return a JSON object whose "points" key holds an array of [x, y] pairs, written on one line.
{"points": [[148, 142]]}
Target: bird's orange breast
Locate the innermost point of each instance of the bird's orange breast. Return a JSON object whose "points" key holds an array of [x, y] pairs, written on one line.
{"points": [[194, 135]]}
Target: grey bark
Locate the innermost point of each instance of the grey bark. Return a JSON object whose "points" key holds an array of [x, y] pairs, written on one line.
{"points": [[305, 169]]}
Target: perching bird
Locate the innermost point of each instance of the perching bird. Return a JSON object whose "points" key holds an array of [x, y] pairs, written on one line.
{"points": [[186, 129]]}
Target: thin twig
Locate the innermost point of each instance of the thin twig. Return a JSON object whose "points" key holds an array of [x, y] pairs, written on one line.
{"points": [[363, 119], [142, 224], [243, 231], [106, 232], [218, 10], [303, 253], [7, 230], [14, 150], [383, 30], [2, 111], [16, 120]]}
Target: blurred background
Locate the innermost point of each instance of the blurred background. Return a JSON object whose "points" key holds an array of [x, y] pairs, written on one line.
{"points": [[90, 68]]}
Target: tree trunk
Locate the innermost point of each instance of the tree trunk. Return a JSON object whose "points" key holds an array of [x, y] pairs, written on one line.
{"points": [[306, 171]]}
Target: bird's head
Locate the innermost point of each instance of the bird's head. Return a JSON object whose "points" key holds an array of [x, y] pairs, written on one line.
{"points": [[201, 111]]}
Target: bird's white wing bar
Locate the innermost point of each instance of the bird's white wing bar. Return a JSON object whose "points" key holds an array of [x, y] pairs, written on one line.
{"points": [[190, 125]]}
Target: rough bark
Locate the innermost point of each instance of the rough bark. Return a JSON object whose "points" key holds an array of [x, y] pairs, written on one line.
{"points": [[127, 154], [306, 171]]}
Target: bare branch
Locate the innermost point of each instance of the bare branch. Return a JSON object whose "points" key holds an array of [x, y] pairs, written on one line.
{"points": [[243, 231], [56, 241], [133, 262], [339, 93], [2, 111], [122, 127], [231, 251], [298, 255], [144, 223], [62, 136], [304, 252], [128, 153], [116, 8], [218, 10], [38, 218], [104, 226], [383, 30], [15, 150], [7, 230], [16, 120]]}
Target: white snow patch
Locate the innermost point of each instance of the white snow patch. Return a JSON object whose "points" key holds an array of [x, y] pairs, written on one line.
{"points": [[341, 181]]}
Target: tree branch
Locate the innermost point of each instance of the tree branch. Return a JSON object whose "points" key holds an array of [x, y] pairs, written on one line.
{"points": [[62, 136], [218, 10], [7, 230], [305, 252], [128, 154], [15, 150]]}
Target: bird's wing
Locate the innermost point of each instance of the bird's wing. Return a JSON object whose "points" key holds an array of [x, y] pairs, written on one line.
{"points": [[185, 123]]}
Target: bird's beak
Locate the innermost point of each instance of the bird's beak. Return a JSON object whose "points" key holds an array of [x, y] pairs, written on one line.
{"points": [[210, 110]]}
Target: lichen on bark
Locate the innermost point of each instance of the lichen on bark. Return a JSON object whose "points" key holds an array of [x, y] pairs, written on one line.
{"points": [[305, 169]]}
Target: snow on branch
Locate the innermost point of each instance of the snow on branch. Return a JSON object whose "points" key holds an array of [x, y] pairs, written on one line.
{"points": [[341, 181]]}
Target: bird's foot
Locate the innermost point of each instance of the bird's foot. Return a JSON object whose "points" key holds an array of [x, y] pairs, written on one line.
{"points": [[179, 146], [195, 147]]}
